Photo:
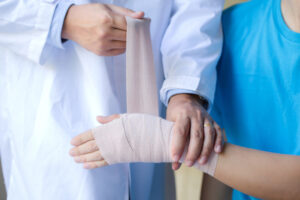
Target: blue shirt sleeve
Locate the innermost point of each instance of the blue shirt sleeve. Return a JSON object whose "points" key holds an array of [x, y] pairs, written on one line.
{"points": [[54, 37]]}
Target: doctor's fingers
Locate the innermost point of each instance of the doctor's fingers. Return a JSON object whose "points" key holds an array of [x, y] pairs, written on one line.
{"points": [[95, 164], [114, 44], [180, 135], [126, 11], [82, 138], [85, 148], [176, 165], [195, 142], [118, 35], [95, 156], [219, 139], [209, 140], [110, 48], [105, 46]]}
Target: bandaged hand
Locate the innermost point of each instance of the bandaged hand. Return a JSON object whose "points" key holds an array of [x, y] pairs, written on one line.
{"points": [[99, 28], [85, 149], [131, 138]]}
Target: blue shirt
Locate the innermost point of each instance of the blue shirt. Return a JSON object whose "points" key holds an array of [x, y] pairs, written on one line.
{"points": [[257, 99]]}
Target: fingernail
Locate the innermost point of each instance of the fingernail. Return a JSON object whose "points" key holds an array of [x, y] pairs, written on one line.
{"points": [[189, 163], [176, 158], [218, 149], [72, 152], [87, 166], [77, 159], [202, 160]]}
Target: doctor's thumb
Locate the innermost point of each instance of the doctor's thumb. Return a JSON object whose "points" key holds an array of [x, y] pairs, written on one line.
{"points": [[138, 15], [107, 119], [127, 12]]}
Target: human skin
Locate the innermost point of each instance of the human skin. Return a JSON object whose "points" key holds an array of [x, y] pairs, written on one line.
{"points": [[101, 29], [87, 152], [194, 125], [257, 173], [260, 174], [291, 13]]}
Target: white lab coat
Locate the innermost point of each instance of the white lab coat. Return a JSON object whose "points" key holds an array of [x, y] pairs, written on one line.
{"points": [[48, 95]]}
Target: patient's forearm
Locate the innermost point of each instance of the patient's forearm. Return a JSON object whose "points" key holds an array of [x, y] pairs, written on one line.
{"points": [[260, 174], [145, 138]]}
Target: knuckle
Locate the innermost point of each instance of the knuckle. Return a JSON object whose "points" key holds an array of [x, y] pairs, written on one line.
{"points": [[182, 133], [79, 140], [199, 113], [210, 132], [197, 134], [106, 19], [82, 159], [102, 34], [91, 146]]}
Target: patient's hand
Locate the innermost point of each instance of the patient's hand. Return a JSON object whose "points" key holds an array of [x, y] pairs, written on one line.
{"points": [[86, 150]]}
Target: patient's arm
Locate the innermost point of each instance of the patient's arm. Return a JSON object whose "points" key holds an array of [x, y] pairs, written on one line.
{"points": [[143, 138], [260, 174]]}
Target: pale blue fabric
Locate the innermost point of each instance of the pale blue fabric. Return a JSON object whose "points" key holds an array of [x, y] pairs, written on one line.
{"points": [[54, 37], [257, 98], [58, 92]]}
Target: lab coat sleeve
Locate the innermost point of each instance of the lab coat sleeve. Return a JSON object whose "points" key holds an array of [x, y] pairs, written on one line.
{"points": [[54, 37], [24, 26], [191, 47]]}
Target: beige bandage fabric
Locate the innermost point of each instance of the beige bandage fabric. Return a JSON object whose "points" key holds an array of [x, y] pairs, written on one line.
{"points": [[141, 90], [141, 138]]}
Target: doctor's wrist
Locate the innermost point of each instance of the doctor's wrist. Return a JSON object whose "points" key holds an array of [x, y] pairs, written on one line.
{"points": [[190, 98]]}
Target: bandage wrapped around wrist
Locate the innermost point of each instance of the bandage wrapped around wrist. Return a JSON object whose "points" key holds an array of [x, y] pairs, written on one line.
{"points": [[141, 138]]}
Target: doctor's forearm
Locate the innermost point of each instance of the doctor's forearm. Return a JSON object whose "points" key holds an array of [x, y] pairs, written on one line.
{"points": [[260, 174]]}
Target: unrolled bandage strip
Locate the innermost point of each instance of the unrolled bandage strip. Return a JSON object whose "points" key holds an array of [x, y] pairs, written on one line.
{"points": [[141, 138]]}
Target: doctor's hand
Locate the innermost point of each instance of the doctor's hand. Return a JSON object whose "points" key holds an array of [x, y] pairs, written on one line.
{"points": [[193, 125], [99, 28], [85, 150]]}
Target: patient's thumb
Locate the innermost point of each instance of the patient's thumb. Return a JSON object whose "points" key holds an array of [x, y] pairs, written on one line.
{"points": [[107, 119]]}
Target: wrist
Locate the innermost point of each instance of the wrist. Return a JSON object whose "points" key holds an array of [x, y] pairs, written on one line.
{"points": [[192, 98], [67, 26]]}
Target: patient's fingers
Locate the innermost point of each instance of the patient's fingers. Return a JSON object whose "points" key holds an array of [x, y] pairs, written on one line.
{"points": [[82, 138], [95, 164], [106, 119], [85, 148], [95, 156]]}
